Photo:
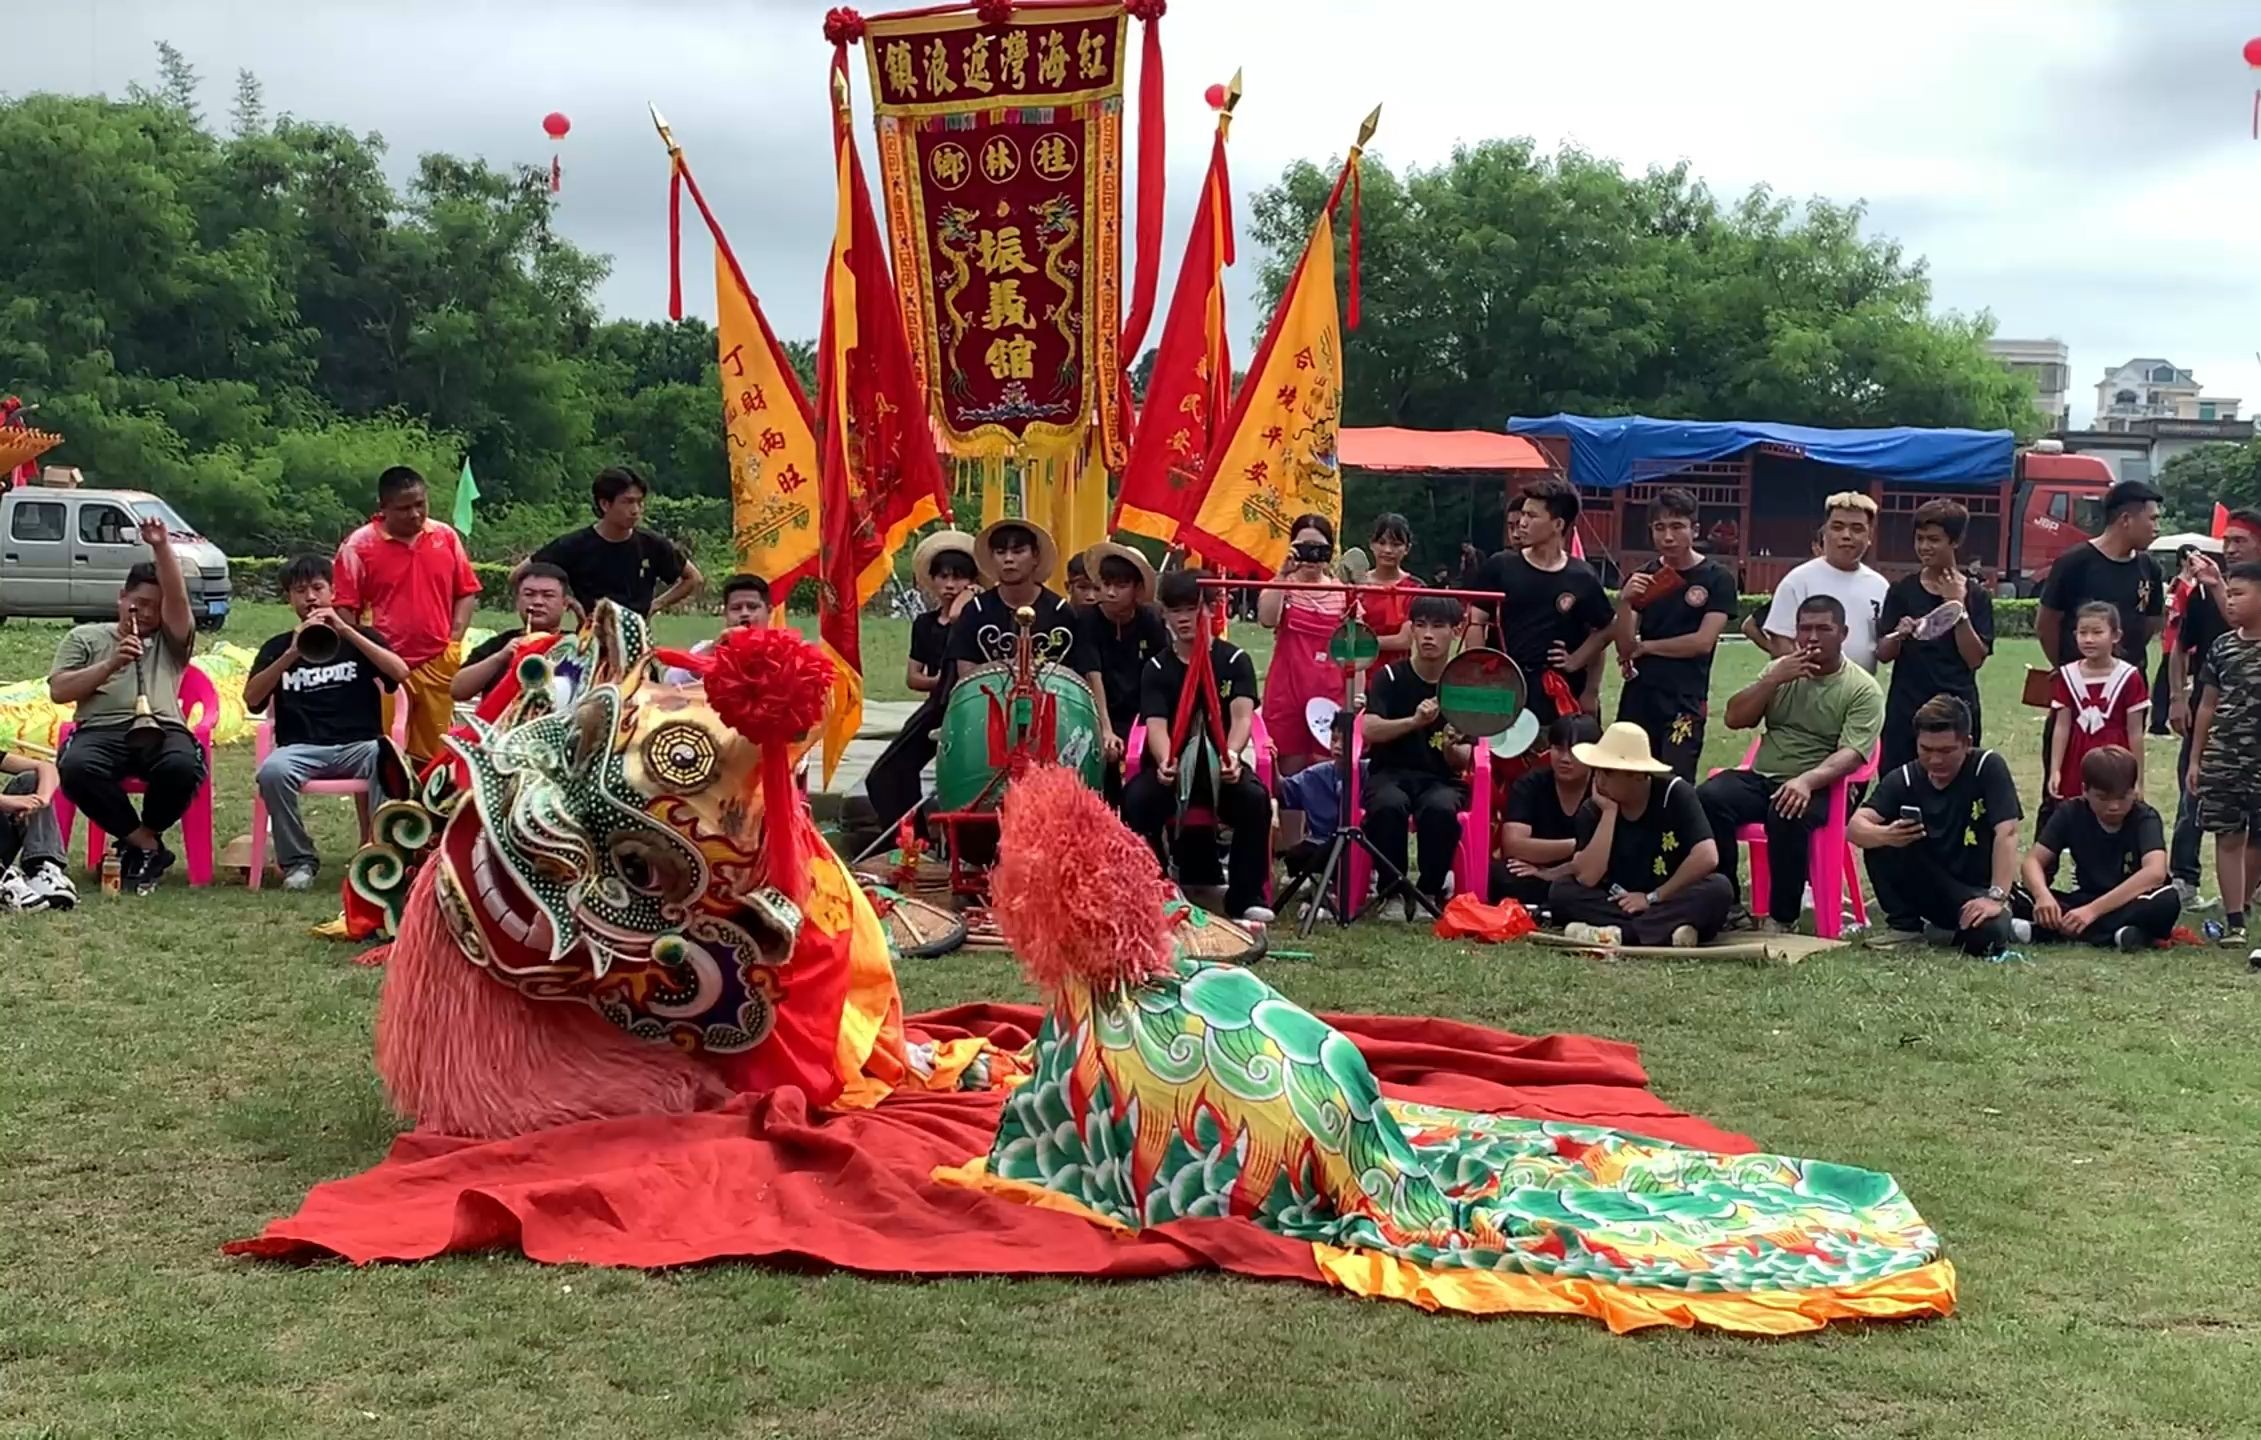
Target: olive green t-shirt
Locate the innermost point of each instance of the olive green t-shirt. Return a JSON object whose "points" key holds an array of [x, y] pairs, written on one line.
{"points": [[1809, 720], [161, 666]]}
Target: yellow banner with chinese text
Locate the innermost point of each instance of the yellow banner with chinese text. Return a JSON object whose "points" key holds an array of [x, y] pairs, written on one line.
{"points": [[772, 449], [1275, 458]]}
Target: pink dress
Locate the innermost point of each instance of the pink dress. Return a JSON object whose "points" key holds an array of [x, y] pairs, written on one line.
{"points": [[1301, 672]]}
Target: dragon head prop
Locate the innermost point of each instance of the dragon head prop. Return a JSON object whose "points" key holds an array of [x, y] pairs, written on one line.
{"points": [[636, 845]]}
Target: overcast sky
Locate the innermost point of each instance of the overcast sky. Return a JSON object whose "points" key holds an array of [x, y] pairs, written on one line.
{"points": [[2083, 170]]}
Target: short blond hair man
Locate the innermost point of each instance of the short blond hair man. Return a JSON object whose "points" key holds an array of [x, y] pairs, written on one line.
{"points": [[1846, 534]]}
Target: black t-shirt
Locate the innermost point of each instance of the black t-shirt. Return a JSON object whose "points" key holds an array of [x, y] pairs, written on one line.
{"points": [[340, 703], [1163, 681], [626, 572], [1123, 652], [986, 630], [2102, 859], [1933, 667], [1394, 692], [2135, 585], [1540, 608], [930, 641], [1709, 590], [2202, 623], [1647, 851], [1532, 800], [1959, 820]]}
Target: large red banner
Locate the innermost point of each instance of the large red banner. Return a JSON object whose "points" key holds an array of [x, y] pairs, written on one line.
{"points": [[1001, 156]]}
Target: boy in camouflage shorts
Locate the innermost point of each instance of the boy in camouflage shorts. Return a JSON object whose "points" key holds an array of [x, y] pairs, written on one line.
{"points": [[2225, 743]]}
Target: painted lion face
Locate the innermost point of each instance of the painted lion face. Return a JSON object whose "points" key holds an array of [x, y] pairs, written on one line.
{"points": [[608, 849]]}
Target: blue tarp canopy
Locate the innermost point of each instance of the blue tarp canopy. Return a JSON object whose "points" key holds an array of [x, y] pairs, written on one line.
{"points": [[1624, 449]]}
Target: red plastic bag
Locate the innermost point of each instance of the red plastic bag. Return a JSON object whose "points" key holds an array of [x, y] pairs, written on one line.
{"points": [[1468, 918]]}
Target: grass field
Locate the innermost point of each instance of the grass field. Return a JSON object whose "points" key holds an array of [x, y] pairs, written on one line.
{"points": [[2078, 1126]]}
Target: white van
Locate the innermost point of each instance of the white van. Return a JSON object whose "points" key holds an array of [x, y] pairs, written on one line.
{"points": [[64, 553]]}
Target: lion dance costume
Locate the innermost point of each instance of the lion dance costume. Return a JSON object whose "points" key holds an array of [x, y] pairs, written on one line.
{"points": [[641, 1014]]}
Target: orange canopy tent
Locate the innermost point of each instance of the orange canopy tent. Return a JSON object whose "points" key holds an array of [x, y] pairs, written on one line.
{"points": [[1386, 447]]}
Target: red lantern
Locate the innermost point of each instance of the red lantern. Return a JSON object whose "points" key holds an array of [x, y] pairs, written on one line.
{"points": [[555, 125], [2253, 52]]}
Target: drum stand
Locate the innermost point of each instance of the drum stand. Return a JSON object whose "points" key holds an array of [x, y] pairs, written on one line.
{"points": [[1333, 876]]}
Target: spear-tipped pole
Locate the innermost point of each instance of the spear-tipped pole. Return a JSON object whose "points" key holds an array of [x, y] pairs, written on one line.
{"points": [[666, 136]]}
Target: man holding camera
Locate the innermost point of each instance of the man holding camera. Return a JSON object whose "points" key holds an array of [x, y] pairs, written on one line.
{"points": [[323, 679]]}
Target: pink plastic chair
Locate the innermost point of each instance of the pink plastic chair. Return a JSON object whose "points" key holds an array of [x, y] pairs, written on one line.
{"points": [[1472, 862], [1831, 868], [1134, 752], [358, 789], [200, 707]]}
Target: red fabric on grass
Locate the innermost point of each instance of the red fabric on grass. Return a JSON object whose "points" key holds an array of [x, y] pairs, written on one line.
{"points": [[766, 1178]]}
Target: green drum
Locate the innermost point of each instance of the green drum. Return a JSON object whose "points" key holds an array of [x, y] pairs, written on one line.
{"points": [[984, 727]]}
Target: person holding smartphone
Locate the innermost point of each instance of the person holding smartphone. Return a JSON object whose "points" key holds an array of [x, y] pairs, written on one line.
{"points": [[1305, 620], [1941, 833]]}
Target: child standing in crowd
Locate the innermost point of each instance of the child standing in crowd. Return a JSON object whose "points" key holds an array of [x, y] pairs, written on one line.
{"points": [[2100, 693], [1391, 616], [2120, 894], [2225, 778]]}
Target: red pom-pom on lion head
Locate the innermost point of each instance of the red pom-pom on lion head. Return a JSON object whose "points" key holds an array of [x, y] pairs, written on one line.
{"points": [[1076, 893]]}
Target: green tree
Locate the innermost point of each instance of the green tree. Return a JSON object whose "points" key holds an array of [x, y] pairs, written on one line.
{"points": [[1509, 281], [2197, 478]]}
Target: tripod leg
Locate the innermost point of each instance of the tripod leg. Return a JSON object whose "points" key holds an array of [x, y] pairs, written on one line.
{"points": [[1337, 853]]}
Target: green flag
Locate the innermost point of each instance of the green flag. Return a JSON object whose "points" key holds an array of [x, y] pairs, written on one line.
{"points": [[466, 496]]}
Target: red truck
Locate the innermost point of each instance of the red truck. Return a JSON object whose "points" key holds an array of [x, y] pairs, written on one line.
{"points": [[2058, 501]]}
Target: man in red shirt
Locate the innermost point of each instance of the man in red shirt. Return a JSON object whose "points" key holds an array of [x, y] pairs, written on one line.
{"points": [[409, 575]]}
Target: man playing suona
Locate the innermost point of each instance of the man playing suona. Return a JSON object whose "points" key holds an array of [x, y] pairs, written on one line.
{"points": [[540, 591]]}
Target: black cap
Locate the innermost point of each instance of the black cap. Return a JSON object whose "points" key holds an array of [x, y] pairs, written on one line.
{"points": [[2129, 492]]}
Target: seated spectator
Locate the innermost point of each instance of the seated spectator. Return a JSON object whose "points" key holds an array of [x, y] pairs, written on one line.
{"points": [[1822, 718], [1418, 761], [1083, 586], [1152, 798], [538, 589], [1120, 634], [1646, 863], [33, 874], [1315, 792], [328, 712], [1540, 833], [2121, 895], [943, 569], [745, 606], [1942, 837], [124, 681]]}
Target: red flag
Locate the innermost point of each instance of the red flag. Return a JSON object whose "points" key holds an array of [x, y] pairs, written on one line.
{"points": [[879, 478], [2221, 519], [1192, 381]]}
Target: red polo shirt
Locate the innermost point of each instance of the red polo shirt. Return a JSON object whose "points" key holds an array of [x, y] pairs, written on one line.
{"points": [[409, 587]]}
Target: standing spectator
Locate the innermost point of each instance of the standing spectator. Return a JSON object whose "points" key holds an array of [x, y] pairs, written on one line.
{"points": [[2103, 698], [1390, 616], [328, 714], [1942, 837], [2201, 624], [2115, 567], [105, 671], [1937, 629], [33, 872], [1647, 864], [1822, 716], [1554, 616], [1838, 572], [2120, 894], [540, 597], [2225, 778], [1671, 614], [1304, 619], [1418, 760], [616, 559], [1540, 833], [2170, 634], [407, 575]]}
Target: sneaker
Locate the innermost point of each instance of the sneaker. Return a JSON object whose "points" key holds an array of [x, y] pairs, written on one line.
{"points": [[1686, 938], [2233, 937], [1890, 937], [53, 885], [16, 892], [299, 877], [151, 869], [1585, 934], [2130, 939], [2253, 960], [2193, 903], [2022, 932], [1253, 915]]}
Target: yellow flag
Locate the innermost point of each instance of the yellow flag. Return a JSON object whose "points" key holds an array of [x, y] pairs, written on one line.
{"points": [[1275, 459], [772, 449]]}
